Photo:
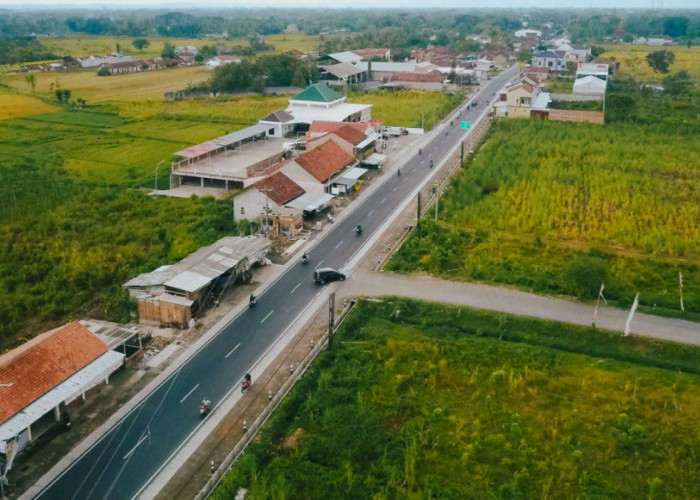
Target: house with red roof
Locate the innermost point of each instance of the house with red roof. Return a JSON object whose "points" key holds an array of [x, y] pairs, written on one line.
{"points": [[42, 376], [348, 137], [433, 81], [270, 196], [313, 169]]}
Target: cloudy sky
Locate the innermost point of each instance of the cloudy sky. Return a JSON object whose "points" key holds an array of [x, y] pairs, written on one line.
{"points": [[622, 4]]}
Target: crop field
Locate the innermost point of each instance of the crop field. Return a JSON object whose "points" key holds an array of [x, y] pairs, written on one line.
{"points": [[406, 109], [84, 45], [633, 62], [18, 106], [421, 400], [87, 85], [288, 41], [559, 208]]}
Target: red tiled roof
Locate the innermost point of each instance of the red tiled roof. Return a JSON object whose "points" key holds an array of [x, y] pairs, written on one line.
{"points": [[418, 77], [350, 134], [325, 160], [283, 189], [318, 126], [45, 361]]}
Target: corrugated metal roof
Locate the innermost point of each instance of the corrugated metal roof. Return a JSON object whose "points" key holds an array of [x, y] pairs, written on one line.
{"points": [[240, 135], [207, 263], [188, 281]]}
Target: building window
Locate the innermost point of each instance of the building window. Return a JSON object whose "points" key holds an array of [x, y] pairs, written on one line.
{"points": [[242, 210]]}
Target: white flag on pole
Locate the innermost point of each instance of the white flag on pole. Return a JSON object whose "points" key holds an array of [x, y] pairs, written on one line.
{"points": [[600, 294], [629, 318], [680, 280]]}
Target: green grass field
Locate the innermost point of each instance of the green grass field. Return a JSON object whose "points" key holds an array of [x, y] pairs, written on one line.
{"points": [[430, 401], [558, 208]]}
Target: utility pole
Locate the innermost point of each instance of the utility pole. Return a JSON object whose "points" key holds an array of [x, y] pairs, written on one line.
{"points": [[267, 210], [331, 319]]}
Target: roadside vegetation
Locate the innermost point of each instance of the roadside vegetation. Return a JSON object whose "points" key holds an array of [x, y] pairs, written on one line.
{"points": [[420, 400], [560, 208]]}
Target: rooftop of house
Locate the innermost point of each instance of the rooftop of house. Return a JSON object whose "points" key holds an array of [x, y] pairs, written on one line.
{"points": [[320, 126], [279, 116], [280, 188], [44, 362], [418, 77], [317, 92], [350, 134], [325, 160]]}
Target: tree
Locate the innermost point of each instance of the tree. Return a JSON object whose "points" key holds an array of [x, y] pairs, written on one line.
{"points": [[140, 43], [168, 50], [678, 85], [596, 50], [660, 60], [63, 96], [31, 81], [103, 71], [524, 56]]}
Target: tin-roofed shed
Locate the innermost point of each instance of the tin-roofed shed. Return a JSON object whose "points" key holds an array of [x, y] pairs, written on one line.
{"points": [[171, 295]]}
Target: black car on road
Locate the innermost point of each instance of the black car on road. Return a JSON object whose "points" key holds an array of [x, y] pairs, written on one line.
{"points": [[327, 274]]}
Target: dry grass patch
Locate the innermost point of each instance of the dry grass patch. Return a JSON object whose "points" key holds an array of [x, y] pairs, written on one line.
{"points": [[633, 61], [19, 106]]}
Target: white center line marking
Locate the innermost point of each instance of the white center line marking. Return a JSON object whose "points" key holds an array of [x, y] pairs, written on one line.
{"points": [[319, 264], [339, 243], [268, 315], [231, 351], [188, 394], [394, 189], [370, 213], [383, 200], [143, 438], [294, 289]]}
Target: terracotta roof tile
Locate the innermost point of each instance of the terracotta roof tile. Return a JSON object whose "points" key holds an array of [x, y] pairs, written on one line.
{"points": [[318, 126], [325, 160], [283, 189], [350, 134], [418, 77], [41, 364]]}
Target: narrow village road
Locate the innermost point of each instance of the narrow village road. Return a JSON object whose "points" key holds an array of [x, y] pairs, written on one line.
{"points": [[506, 300]]}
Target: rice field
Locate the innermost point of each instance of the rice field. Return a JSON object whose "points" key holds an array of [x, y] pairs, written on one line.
{"points": [[633, 62], [18, 106], [131, 87]]}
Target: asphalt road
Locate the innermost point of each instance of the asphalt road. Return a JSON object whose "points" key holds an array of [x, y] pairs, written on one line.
{"points": [[122, 463]]}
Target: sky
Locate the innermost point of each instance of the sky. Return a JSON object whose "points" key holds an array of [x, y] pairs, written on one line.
{"points": [[362, 4]]}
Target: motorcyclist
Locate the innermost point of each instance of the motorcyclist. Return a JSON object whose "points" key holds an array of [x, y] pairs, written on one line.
{"points": [[305, 258], [358, 229], [253, 299], [431, 163]]}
